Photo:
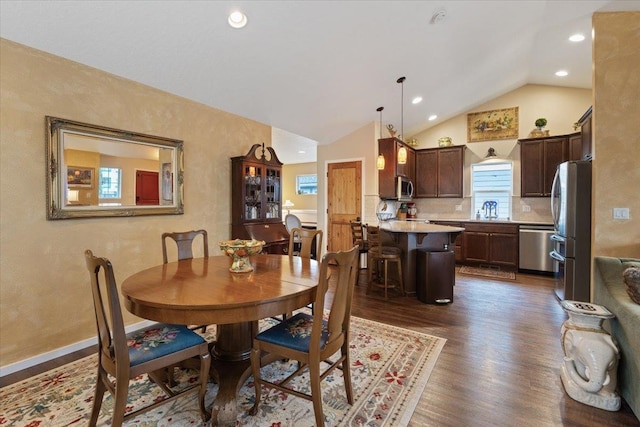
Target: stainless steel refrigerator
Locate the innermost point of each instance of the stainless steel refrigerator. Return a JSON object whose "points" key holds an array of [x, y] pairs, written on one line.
{"points": [[571, 212]]}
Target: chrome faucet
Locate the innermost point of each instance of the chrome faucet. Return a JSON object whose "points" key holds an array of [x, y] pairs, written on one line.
{"points": [[490, 208]]}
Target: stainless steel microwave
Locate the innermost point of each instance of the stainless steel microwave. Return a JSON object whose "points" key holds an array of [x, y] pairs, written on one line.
{"points": [[404, 189]]}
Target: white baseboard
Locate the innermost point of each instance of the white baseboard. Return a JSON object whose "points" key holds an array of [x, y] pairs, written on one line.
{"points": [[62, 351]]}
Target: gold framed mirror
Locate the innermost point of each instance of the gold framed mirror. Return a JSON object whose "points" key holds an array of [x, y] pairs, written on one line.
{"points": [[96, 171]]}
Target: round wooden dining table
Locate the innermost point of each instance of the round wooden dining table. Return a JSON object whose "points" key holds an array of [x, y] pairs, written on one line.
{"points": [[202, 291]]}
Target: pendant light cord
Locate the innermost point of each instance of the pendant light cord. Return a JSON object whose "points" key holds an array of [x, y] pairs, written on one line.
{"points": [[379, 109], [401, 81]]}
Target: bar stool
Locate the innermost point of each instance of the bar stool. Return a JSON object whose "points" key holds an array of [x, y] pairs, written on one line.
{"points": [[382, 255], [358, 237]]}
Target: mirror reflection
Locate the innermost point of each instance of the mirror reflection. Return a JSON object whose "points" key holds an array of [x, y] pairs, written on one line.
{"points": [[98, 171]]}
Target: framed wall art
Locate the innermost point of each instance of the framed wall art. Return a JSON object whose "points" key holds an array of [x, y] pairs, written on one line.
{"points": [[493, 124], [79, 177]]}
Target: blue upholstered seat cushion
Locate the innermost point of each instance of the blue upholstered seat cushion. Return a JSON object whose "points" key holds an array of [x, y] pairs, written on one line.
{"points": [[159, 340], [295, 333]]}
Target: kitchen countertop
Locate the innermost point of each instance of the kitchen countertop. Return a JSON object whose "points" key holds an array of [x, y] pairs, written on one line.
{"points": [[497, 221], [400, 226]]}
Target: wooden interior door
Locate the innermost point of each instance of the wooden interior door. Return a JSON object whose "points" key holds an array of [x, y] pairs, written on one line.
{"points": [[344, 202], [147, 188]]}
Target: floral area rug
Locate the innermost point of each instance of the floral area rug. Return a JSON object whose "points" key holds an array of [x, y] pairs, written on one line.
{"points": [[390, 369]]}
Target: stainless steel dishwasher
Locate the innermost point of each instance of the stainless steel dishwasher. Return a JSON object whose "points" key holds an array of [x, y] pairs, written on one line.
{"points": [[535, 245]]}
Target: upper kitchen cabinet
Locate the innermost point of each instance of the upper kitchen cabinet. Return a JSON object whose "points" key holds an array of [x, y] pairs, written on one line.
{"points": [[539, 158], [388, 147], [439, 172], [575, 146], [586, 134]]}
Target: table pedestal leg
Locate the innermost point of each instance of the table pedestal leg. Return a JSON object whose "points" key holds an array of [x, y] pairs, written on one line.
{"points": [[231, 367]]}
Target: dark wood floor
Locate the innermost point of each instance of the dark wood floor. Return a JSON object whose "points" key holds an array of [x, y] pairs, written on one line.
{"points": [[500, 365]]}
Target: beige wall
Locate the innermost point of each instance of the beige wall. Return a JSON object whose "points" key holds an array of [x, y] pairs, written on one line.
{"points": [[45, 300], [289, 173], [616, 133]]}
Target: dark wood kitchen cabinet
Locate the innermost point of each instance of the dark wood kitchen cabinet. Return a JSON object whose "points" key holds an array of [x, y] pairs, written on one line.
{"points": [[439, 172], [256, 199], [585, 123], [492, 244], [388, 147], [539, 158], [575, 146]]}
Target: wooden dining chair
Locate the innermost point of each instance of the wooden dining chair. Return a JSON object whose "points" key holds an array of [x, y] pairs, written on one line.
{"points": [[151, 350], [185, 241], [310, 339], [379, 257], [302, 242]]}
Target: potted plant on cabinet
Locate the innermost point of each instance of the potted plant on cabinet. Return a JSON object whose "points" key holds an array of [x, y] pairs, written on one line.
{"points": [[539, 130]]}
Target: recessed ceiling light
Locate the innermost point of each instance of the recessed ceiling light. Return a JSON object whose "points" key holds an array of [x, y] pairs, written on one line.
{"points": [[416, 100], [576, 38], [562, 73], [432, 117], [301, 152], [237, 19]]}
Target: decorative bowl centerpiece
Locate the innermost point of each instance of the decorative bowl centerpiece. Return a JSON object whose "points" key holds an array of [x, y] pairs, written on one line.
{"points": [[240, 251]]}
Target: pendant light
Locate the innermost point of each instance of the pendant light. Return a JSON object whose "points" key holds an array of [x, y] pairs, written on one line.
{"points": [[402, 152], [380, 161]]}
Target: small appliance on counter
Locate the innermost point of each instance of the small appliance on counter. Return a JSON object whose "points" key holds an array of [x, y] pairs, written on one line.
{"points": [[412, 211], [402, 211]]}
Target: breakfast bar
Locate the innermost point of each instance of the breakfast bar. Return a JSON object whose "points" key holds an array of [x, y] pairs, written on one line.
{"points": [[412, 236]]}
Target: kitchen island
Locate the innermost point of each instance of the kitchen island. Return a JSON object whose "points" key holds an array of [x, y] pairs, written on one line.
{"points": [[412, 236]]}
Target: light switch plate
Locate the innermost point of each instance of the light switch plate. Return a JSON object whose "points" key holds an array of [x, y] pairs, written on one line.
{"points": [[620, 213]]}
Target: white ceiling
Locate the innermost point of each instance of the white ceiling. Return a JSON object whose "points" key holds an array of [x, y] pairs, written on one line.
{"points": [[319, 69]]}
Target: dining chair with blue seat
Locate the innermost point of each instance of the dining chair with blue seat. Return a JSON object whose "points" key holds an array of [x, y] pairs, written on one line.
{"points": [[303, 242], [151, 351], [184, 243], [311, 339]]}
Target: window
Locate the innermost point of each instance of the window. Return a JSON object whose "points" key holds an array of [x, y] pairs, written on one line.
{"points": [[109, 180], [491, 190], [307, 184]]}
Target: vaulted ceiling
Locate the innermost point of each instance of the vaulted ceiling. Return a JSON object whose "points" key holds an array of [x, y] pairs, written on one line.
{"points": [[319, 69]]}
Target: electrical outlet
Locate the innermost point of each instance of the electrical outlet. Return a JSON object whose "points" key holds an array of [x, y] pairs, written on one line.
{"points": [[458, 207], [526, 208], [620, 213]]}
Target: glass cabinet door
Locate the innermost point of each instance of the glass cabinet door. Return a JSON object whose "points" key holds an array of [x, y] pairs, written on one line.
{"points": [[272, 193], [252, 192]]}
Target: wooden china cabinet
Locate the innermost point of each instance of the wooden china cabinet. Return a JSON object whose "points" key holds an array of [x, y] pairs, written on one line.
{"points": [[256, 199]]}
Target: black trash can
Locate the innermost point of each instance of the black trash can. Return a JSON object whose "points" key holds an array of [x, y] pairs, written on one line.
{"points": [[435, 276]]}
